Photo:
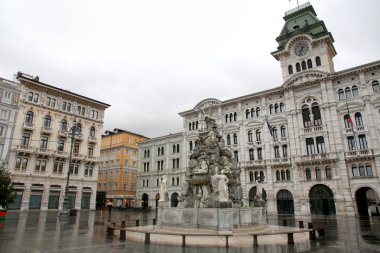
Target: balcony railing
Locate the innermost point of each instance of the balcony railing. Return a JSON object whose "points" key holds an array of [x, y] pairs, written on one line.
{"points": [[92, 139], [314, 129], [24, 148], [361, 152], [28, 125], [254, 162], [46, 129], [279, 160]]}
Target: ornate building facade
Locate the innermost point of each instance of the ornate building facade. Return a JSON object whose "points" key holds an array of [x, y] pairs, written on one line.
{"points": [[313, 139], [118, 167], [41, 145], [9, 106], [160, 156]]}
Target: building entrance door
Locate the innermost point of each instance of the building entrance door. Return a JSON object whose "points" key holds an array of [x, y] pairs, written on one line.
{"points": [[321, 200]]}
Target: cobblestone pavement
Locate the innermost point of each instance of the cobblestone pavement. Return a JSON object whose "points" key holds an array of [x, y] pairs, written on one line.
{"points": [[41, 231]]}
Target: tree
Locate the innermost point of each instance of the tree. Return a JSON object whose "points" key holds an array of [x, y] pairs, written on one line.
{"points": [[6, 188]]}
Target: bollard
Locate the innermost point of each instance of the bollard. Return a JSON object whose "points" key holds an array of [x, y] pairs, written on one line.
{"points": [[122, 231], [300, 224], [110, 229], [137, 223], [285, 222], [321, 232], [312, 232], [154, 221], [147, 238]]}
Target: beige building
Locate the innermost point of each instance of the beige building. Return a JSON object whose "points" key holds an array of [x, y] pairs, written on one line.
{"points": [[39, 159], [314, 139]]}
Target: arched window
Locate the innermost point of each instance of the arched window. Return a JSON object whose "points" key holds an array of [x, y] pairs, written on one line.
{"points": [[351, 143], [231, 117], [298, 67], [274, 133], [193, 125], [251, 154], [283, 175], [341, 94], [375, 86], [147, 183], [282, 107], [228, 139], [290, 69], [309, 64], [257, 111], [172, 180], [235, 116], [346, 121], [276, 152], [47, 121], [63, 125], [250, 138], [226, 118], [191, 145], [278, 177], [318, 61], [271, 109], [362, 142], [308, 174], [251, 176], [358, 119], [247, 112], [288, 175], [258, 135], [262, 175], [355, 91], [143, 182], [355, 172], [196, 124], [318, 174], [235, 138], [347, 91], [29, 117], [283, 132], [189, 125], [317, 114], [174, 148], [285, 150], [276, 108], [303, 65], [252, 112], [92, 131], [306, 116], [328, 173]]}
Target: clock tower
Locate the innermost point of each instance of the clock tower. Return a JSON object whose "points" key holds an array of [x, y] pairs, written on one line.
{"points": [[304, 44]]}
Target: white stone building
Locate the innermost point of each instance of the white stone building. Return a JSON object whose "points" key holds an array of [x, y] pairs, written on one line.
{"points": [[9, 98], [39, 158], [157, 157], [315, 138]]}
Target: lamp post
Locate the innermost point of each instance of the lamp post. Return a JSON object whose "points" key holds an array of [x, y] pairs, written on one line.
{"points": [[74, 131]]}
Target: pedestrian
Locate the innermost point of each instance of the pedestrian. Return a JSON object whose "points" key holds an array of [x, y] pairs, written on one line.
{"points": [[109, 206]]}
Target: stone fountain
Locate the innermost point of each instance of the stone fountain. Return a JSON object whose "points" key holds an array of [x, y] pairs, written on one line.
{"points": [[211, 194]]}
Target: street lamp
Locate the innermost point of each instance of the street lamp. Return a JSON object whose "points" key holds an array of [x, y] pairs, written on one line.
{"points": [[75, 130]]}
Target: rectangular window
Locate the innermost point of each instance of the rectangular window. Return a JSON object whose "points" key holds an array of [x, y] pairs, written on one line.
{"points": [[44, 142], [30, 96], [285, 151], [48, 101], [61, 144], [1, 131], [25, 139], [310, 146], [260, 153], [236, 155], [36, 97], [76, 148], [88, 171], [7, 96], [351, 143], [3, 114], [40, 165], [91, 150], [21, 163], [251, 154]]}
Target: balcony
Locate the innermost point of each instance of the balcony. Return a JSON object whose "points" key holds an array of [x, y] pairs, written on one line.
{"points": [[92, 139], [91, 158], [316, 158], [28, 125], [254, 163], [77, 156], [44, 151], [359, 153], [61, 154], [46, 130], [314, 129], [24, 148], [62, 133], [279, 160]]}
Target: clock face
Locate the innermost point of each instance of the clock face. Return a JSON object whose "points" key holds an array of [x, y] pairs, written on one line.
{"points": [[301, 48]]}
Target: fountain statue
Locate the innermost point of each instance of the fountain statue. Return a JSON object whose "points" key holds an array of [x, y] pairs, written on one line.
{"points": [[211, 195]]}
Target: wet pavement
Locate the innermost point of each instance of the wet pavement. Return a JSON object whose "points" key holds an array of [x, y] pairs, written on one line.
{"points": [[41, 231]]}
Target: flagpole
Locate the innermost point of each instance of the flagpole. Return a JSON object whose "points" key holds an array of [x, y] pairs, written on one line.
{"points": [[298, 6], [350, 121]]}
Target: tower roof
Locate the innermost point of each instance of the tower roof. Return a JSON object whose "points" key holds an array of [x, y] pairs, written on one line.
{"points": [[301, 20]]}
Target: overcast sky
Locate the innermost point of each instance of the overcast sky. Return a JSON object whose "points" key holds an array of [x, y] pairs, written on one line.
{"points": [[151, 59]]}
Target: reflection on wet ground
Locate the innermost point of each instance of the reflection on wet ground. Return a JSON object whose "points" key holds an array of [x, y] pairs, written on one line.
{"points": [[38, 231]]}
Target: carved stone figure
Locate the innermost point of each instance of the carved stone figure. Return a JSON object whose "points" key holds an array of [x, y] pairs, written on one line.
{"points": [[223, 187], [164, 189], [202, 170]]}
